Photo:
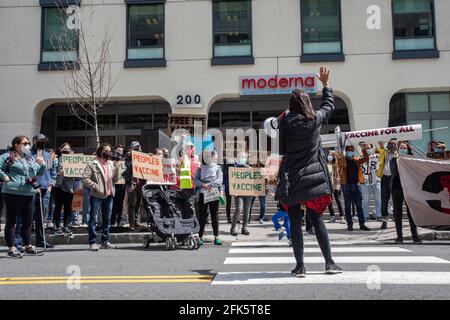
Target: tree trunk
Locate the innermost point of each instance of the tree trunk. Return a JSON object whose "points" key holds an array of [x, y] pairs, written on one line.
{"points": [[97, 137]]}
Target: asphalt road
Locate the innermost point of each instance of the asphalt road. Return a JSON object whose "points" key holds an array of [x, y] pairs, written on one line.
{"points": [[239, 271]]}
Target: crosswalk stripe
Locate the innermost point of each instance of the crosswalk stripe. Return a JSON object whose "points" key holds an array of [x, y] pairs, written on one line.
{"points": [[351, 277], [306, 243], [349, 259], [314, 250]]}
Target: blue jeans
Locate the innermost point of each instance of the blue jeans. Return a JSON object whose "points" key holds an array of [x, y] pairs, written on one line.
{"points": [[352, 193], [106, 207], [86, 206], [262, 206], [367, 190], [287, 225]]}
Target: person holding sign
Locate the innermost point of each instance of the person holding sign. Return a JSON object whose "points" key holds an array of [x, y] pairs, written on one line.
{"points": [[208, 181], [243, 203], [116, 217], [100, 176], [303, 179], [64, 190]]}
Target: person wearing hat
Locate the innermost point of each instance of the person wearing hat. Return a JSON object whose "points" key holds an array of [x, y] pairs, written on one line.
{"points": [[45, 182], [134, 189]]}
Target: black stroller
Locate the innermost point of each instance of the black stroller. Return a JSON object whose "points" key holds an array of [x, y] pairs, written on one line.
{"points": [[171, 217]]}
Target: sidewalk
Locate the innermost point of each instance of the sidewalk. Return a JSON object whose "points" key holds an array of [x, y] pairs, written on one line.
{"points": [[264, 232]]}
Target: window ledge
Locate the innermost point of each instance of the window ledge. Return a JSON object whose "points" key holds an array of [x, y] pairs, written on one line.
{"points": [[415, 54], [323, 57], [58, 66], [228, 61], [53, 3], [145, 63]]}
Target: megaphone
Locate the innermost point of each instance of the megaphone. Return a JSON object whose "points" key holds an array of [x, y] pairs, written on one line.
{"points": [[271, 125]]}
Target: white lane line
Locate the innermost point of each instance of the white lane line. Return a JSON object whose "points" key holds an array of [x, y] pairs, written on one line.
{"points": [[351, 277], [314, 250], [306, 243], [350, 259]]}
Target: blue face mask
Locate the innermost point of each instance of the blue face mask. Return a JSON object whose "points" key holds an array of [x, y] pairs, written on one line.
{"points": [[403, 151], [369, 151], [242, 161], [330, 158], [350, 154], [437, 150]]}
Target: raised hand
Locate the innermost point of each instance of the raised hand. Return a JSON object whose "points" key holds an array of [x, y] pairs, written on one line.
{"points": [[324, 76]]}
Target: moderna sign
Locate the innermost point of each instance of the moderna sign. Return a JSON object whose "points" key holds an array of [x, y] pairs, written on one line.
{"points": [[278, 84]]}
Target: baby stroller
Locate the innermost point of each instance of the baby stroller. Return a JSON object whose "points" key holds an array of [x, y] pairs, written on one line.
{"points": [[171, 217]]}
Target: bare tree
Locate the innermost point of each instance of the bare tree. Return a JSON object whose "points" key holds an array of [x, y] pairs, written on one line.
{"points": [[84, 56]]}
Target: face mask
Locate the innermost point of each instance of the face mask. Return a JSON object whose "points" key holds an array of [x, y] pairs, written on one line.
{"points": [[40, 145], [107, 155], [65, 151], [230, 161], [403, 151], [26, 150], [242, 160], [392, 147], [369, 151], [119, 152], [437, 150], [350, 154], [330, 158]]}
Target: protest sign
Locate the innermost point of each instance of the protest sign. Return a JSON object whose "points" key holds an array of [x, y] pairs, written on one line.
{"points": [[408, 132], [122, 169], [77, 202], [169, 170], [74, 164], [147, 167], [211, 195], [246, 182], [426, 186], [185, 122]]}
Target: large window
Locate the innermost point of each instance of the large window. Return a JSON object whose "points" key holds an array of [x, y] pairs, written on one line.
{"points": [[59, 37], [413, 22], [431, 110], [321, 28], [145, 35], [232, 28]]}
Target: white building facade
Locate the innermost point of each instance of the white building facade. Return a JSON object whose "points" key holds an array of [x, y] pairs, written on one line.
{"points": [[389, 59]]}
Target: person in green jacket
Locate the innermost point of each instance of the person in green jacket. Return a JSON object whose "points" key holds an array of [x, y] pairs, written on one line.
{"points": [[18, 171]]}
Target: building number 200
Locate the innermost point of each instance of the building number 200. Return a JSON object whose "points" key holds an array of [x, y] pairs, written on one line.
{"points": [[188, 99]]}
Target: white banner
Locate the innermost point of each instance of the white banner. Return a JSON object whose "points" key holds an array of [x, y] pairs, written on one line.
{"points": [[426, 186]]}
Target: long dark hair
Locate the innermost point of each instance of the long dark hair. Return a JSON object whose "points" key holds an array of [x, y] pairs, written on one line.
{"points": [[16, 140], [408, 146], [101, 147], [58, 152], [300, 103]]}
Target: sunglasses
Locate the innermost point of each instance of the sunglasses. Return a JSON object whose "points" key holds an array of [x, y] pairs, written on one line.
{"points": [[25, 143]]}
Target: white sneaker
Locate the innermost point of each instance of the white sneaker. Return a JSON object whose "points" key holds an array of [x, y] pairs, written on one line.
{"points": [[84, 225], [108, 245], [93, 247], [261, 221], [332, 219], [343, 221]]}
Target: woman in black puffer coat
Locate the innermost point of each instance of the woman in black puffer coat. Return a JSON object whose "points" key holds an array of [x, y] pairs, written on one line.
{"points": [[303, 176]]}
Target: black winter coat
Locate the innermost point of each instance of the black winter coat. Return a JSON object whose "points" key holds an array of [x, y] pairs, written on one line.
{"points": [[304, 159]]}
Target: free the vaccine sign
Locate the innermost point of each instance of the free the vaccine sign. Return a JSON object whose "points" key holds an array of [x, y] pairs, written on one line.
{"points": [[277, 84]]}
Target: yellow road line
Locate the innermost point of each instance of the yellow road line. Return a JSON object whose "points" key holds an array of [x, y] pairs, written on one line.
{"points": [[104, 277], [104, 281]]}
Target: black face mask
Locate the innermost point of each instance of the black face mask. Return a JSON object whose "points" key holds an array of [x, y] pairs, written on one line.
{"points": [[65, 151], [40, 145], [107, 155]]}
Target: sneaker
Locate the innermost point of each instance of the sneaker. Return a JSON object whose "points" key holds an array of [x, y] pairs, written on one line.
{"points": [[217, 242], [84, 225], [67, 231], [281, 234], [290, 243], [94, 247], [311, 232], [399, 240], [383, 225], [108, 245], [139, 225], [350, 227], [245, 232], [299, 272], [343, 220], [332, 268], [417, 240], [233, 232], [31, 251], [15, 254], [363, 227], [59, 232], [261, 221], [332, 219]]}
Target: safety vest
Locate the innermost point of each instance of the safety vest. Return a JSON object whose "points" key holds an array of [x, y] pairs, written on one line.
{"points": [[185, 175]]}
